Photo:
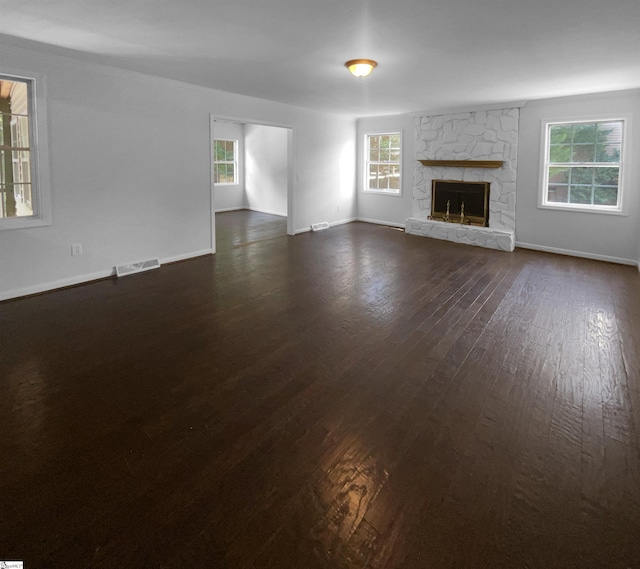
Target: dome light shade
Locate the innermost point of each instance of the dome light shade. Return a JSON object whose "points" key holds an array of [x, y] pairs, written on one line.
{"points": [[360, 67]]}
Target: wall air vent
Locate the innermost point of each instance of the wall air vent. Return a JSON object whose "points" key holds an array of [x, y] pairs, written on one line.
{"points": [[133, 268], [319, 226]]}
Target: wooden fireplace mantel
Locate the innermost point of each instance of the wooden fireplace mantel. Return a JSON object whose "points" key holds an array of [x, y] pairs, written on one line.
{"points": [[463, 163]]}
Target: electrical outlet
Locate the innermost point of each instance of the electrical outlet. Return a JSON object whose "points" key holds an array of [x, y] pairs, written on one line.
{"points": [[76, 249]]}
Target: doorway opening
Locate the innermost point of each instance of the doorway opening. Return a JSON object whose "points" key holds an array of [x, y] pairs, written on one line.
{"points": [[252, 179]]}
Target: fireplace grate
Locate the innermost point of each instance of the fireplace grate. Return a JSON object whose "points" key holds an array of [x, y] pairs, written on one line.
{"points": [[456, 201]]}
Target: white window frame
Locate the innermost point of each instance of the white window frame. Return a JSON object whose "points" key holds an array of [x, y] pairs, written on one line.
{"points": [[40, 184], [234, 162], [367, 162], [544, 203]]}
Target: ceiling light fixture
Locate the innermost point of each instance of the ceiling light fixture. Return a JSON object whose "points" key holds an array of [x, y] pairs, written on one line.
{"points": [[360, 67]]}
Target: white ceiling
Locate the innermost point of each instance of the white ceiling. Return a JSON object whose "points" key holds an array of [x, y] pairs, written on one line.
{"points": [[431, 55]]}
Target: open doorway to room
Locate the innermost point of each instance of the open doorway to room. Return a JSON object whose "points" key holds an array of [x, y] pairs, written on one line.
{"points": [[251, 182]]}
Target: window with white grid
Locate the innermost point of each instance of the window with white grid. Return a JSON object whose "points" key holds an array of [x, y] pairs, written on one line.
{"points": [[382, 163], [583, 165], [24, 186], [225, 161]]}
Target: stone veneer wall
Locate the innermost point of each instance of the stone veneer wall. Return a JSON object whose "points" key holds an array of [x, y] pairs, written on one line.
{"points": [[477, 135]]}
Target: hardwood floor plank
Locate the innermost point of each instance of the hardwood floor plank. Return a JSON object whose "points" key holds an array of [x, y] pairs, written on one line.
{"points": [[353, 398]]}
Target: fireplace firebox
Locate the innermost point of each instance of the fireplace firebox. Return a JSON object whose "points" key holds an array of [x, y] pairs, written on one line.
{"points": [[460, 202]]}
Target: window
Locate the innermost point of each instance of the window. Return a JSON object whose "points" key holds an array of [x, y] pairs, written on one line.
{"points": [[24, 197], [583, 164], [225, 161], [382, 169], [15, 153]]}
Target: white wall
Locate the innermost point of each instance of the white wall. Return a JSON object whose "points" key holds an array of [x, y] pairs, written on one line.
{"points": [[266, 168], [227, 197], [597, 235], [131, 170], [379, 207], [334, 198]]}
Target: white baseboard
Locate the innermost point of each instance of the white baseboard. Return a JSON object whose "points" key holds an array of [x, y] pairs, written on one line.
{"points": [[279, 214], [331, 224], [342, 221], [185, 256], [581, 254], [247, 208], [381, 222], [88, 277], [60, 283], [223, 209]]}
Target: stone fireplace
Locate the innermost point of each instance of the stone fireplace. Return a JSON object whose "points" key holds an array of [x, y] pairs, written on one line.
{"points": [[473, 147]]}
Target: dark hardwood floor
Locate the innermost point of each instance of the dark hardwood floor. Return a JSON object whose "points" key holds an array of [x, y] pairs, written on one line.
{"points": [[352, 398]]}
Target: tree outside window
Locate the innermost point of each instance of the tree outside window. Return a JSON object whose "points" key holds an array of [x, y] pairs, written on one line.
{"points": [[583, 164], [382, 169], [225, 161]]}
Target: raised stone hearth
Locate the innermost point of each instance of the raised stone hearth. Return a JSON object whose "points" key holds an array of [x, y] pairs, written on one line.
{"points": [[472, 136], [502, 239]]}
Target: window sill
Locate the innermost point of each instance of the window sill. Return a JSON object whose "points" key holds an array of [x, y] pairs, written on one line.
{"points": [[23, 222], [582, 209], [383, 193]]}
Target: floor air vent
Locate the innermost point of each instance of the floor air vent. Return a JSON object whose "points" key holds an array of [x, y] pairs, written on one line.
{"points": [[133, 268], [319, 226]]}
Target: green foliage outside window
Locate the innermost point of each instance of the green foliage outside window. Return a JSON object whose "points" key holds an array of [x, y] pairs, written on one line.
{"points": [[584, 163], [224, 161], [383, 163]]}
